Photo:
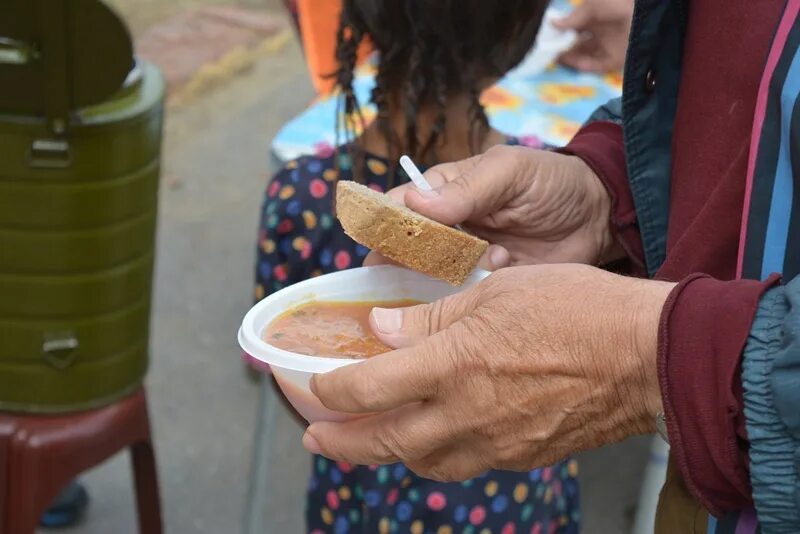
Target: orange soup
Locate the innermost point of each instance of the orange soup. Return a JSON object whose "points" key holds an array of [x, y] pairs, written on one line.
{"points": [[333, 329]]}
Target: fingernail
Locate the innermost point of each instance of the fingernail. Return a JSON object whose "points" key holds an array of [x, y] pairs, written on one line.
{"points": [[388, 321], [427, 193], [311, 444], [499, 257]]}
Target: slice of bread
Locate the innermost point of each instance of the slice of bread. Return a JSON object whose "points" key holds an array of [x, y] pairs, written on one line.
{"points": [[386, 226]]}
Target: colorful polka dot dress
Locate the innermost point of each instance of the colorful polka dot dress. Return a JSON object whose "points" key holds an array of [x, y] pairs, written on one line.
{"points": [[299, 238]]}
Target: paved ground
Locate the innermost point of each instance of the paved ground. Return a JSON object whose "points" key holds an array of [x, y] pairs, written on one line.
{"points": [[204, 409], [140, 15]]}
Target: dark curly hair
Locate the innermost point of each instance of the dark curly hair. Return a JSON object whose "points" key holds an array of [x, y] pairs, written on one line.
{"points": [[429, 49]]}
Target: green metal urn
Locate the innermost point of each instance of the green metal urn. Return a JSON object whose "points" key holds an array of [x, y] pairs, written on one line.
{"points": [[80, 138]]}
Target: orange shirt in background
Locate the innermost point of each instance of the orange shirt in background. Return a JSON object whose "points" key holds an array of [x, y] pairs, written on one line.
{"points": [[319, 22]]}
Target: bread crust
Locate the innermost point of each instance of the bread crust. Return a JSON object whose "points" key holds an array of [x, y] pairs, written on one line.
{"points": [[376, 221]]}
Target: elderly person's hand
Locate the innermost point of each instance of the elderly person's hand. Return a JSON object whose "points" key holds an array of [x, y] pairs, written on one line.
{"points": [[534, 206], [603, 27], [517, 372]]}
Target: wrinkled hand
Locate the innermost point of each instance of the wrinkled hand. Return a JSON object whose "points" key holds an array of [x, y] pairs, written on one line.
{"points": [[603, 27], [517, 372], [534, 206]]}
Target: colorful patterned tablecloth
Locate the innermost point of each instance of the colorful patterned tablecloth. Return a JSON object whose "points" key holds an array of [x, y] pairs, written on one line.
{"points": [[550, 105]]}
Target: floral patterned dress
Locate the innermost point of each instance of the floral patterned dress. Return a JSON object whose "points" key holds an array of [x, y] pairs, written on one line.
{"points": [[299, 237]]}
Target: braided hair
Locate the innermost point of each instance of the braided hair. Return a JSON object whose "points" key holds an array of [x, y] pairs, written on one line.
{"points": [[428, 50]]}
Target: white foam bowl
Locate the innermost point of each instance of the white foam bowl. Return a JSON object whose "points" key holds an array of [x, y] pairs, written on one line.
{"points": [[294, 371]]}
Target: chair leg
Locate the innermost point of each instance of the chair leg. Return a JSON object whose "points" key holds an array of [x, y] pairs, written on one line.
{"points": [[145, 478], [4, 446], [22, 514]]}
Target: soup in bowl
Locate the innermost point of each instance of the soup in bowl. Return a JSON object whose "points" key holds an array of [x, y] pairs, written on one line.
{"points": [[322, 323]]}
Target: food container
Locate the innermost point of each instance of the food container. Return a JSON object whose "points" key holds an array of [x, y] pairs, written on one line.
{"points": [[293, 371], [77, 234]]}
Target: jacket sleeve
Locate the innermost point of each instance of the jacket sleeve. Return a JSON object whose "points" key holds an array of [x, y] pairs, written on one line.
{"points": [[600, 144], [705, 325], [771, 381]]}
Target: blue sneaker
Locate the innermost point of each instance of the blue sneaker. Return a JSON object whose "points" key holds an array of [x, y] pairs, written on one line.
{"points": [[68, 508]]}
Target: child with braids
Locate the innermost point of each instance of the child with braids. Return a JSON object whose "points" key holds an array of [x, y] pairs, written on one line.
{"points": [[434, 59]]}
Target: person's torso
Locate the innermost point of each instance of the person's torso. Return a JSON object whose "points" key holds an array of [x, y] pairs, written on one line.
{"points": [[723, 59], [688, 130]]}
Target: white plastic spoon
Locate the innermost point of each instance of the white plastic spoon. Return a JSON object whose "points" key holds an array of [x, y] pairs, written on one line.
{"points": [[416, 177]]}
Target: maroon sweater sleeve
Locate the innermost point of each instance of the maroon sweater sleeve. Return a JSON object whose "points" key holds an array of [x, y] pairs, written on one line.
{"points": [[600, 145], [704, 327]]}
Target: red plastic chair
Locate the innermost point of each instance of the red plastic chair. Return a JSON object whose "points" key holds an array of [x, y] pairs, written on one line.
{"points": [[40, 454]]}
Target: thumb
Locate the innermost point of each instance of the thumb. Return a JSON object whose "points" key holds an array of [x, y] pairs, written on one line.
{"points": [[577, 20], [403, 327], [471, 188]]}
